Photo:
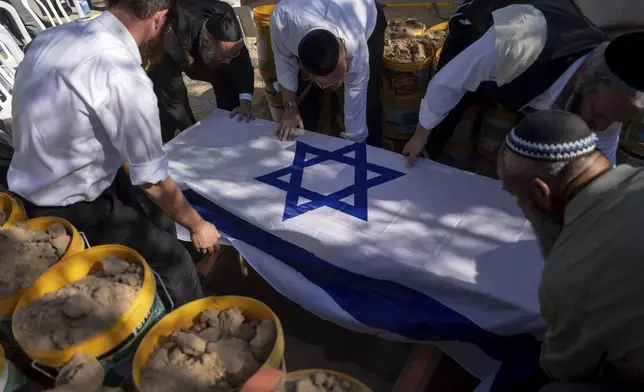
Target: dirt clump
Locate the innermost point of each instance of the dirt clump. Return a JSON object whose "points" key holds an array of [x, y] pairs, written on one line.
{"points": [[404, 28], [27, 253], [408, 50], [316, 382], [81, 309], [83, 373], [436, 38], [216, 354]]}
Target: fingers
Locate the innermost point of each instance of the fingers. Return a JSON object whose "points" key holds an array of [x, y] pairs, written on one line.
{"points": [[280, 132], [241, 116], [233, 113], [291, 135], [250, 117], [424, 153], [410, 160]]}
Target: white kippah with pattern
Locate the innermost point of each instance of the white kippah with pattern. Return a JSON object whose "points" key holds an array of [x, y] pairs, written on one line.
{"points": [[551, 152]]}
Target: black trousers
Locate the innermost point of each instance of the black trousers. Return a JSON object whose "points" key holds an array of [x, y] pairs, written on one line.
{"points": [[172, 94], [124, 215], [310, 105]]}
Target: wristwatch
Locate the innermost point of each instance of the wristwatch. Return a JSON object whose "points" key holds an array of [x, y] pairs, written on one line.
{"points": [[290, 104]]}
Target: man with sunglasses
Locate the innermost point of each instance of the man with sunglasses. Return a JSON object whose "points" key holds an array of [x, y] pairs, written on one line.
{"points": [[322, 44], [206, 42]]}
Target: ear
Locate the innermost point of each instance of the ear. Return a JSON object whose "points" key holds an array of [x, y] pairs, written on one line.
{"points": [[160, 19], [542, 193]]}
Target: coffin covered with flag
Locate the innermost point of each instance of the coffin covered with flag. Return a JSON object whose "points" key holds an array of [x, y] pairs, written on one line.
{"points": [[429, 253]]}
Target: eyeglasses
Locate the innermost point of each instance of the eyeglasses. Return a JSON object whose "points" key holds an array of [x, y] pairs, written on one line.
{"points": [[167, 29]]}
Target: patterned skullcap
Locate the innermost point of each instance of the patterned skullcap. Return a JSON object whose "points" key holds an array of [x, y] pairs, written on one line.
{"points": [[552, 135]]}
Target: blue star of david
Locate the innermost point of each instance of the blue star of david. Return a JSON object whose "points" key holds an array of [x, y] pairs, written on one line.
{"points": [[294, 189]]}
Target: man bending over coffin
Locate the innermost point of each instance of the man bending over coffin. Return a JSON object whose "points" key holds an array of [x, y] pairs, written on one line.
{"points": [[82, 108], [206, 43], [586, 215], [320, 44], [528, 55]]}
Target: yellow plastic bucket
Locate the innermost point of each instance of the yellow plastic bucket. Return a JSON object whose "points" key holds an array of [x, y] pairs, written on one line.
{"points": [[184, 317], [10, 379], [13, 210], [76, 245], [437, 55], [406, 79], [262, 19], [400, 116], [340, 376], [116, 342], [266, 60], [496, 124]]}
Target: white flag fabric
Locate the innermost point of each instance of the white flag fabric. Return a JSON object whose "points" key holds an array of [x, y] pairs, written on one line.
{"points": [[428, 253]]}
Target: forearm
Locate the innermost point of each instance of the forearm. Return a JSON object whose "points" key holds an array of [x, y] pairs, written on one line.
{"points": [[289, 95], [169, 198]]}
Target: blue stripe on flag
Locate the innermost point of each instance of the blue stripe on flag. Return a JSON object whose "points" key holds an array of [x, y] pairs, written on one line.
{"points": [[379, 303]]}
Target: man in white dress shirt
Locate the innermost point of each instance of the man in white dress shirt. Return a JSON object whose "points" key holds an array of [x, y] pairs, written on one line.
{"points": [[529, 55], [83, 107], [320, 44]]}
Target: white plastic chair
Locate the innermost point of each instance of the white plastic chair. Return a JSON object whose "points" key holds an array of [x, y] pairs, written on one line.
{"points": [[25, 3], [14, 15], [8, 66]]}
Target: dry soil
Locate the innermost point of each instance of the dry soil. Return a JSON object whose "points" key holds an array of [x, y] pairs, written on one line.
{"points": [[217, 354], [27, 253], [79, 310]]}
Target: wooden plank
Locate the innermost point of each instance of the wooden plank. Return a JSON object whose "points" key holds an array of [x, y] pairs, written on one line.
{"points": [[419, 369]]}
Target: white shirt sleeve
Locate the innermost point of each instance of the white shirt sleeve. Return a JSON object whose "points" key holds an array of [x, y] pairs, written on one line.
{"points": [[355, 97], [246, 96], [130, 117], [463, 73], [285, 61]]}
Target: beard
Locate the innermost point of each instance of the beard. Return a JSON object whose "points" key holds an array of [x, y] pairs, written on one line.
{"points": [[547, 231], [153, 50]]}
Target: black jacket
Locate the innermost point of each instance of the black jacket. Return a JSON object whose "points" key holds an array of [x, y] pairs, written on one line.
{"points": [[570, 36], [191, 15]]}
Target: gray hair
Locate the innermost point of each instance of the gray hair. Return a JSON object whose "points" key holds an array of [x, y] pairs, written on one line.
{"points": [[515, 164], [598, 75]]}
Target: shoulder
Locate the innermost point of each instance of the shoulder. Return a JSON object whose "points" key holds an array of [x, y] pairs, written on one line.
{"points": [[521, 32]]}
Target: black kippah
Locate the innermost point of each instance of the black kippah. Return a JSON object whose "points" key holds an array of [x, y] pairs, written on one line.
{"points": [[621, 58], [552, 135], [222, 24], [319, 52]]}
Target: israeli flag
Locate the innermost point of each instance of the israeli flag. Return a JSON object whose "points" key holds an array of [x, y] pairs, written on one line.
{"points": [[429, 254]]}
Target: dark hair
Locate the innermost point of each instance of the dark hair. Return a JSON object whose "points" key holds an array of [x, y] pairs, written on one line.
{"points": [[319, 52], [222, 24], [144, 9]]}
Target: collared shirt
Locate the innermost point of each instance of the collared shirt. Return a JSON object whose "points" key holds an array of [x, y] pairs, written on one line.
{"points": [[82, 107], [506, 50], [352, 21], [591, 290]]}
